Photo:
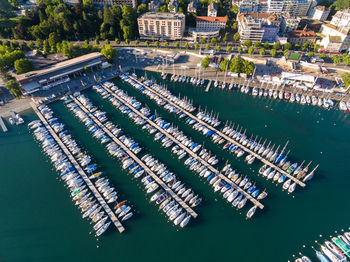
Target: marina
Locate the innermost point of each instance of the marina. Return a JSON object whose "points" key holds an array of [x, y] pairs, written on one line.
{"points": [[137, 160], [191, 152], [2, 124], [82, 173], [222, 135]]}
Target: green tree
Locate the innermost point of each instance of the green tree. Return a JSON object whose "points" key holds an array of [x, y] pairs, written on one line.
{"points": [[262, 51], [46, 47], [205, 62], [218, 48], [137, 42], [13, 87], [286, 53], [53, 40], [287, 46], [127, 41], [109, 52], [266, 45], [297, 47], [202, 41], [207, 47], [141, 9], [156, 44], [316, 48], [107, 41], [273, 52], [97, 41], [240, 49], [346, 79], [258, 44], [250, 50], [177, 44], [247, 43], [229, 49], [213, 41], [336, 59], [196, 46], [187, 45], [311, 54], [277, 46], [147, 42], [305, 46], [117, 41], [223, 64], [236, 37], [323, 56], [225, 38], [166, 43], [23, 66]]}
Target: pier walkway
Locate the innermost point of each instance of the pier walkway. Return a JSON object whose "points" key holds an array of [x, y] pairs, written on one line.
{"points": [[88, 182], [208, 86], [2, 124], [189, 151], [229, 139], [137, 160]]}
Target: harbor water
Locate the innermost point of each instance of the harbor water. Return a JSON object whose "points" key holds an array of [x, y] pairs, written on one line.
{"points": [[39, 221]]}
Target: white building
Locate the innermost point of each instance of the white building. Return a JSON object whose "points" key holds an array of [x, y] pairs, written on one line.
{"points": [[320, 13], [292, 7], [210, 24], [334, 38], [342, 19], [212, 10]]}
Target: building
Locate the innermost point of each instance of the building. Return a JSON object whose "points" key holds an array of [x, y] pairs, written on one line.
{"points": [[334, 38], [288, 24], [154, 5], [252, 6], [212, 10], [210, 24], [192, 7], [258, 26], [173, 6], [301, 37], [342, 19], [101, 3], [294, 8], [320, 13], [59, 73], [161, 25], [310, 23]]}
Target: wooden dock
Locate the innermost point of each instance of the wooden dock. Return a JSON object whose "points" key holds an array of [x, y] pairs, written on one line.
{"points": [[138, 161], [229, 139], [76, 165], [2, 124], [208, 86], [189, 151]]}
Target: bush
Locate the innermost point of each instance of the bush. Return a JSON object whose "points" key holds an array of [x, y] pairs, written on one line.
{"points": [[23, 66]]}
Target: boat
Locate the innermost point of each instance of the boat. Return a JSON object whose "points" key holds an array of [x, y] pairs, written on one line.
{"points": [[251, 212], [102, 229], [185, 221]]}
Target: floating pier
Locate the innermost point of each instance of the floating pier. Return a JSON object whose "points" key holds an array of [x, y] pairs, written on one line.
{"points": [[208, 86], [189, 151], [229, 139], [2, 124], [137, 160], [88, 182]]}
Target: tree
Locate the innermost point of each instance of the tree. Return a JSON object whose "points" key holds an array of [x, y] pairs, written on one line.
{"points": [[316, 48], [127, 41], [346, 79], [236, 37], [117, 41], [336, 59], [250, 50], [305, 46], [223, 65], [156, 44], [240, 49], [196, 46], [218, 48], [166, 43], [225, 38], [207, 47], [311, 54], [273, 52], [286, 53], [137, 42], [258, 44], [266, 45], [177, 44], [141, 9], [213, 41], [323, 56], [97, 41], [109, 52], [229, 49], [287, 46], [247, 43], [23, 66], [187, 45], [205, 62], [262, 51], [46, 47], [107, 41], [296, 46], [202, 41], [147, 42], [13, 87], [277, 46]]}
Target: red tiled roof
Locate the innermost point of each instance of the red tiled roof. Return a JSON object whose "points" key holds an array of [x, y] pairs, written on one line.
{"points": [[218, 19]]}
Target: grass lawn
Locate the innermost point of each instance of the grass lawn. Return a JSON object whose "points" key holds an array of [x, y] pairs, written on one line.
{"points": [[294, 56]]}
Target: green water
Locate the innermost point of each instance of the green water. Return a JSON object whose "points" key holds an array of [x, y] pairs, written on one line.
{"points": [[39, 222]]}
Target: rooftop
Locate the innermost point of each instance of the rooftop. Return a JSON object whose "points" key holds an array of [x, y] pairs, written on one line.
{"points": [[302, 34], [160, 15], [321, 8], [341, 30], [272, 18], [218, 19]]}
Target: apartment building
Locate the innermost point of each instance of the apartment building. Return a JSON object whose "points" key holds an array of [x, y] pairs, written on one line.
{"points": [[210, 24], [101, 3], [212, 10], [154, 5], [192, 7], [258, 26], [161, 25], [292, 7], [301, 37], [320, 13], [173, 6], [342, 19], [252, 6]]}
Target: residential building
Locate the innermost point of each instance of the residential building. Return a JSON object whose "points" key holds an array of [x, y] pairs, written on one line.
{"points": [[258, 26], [342, 19], [288, 24], [210, 24], [173, 6], [192, 7], [161, 25], [301, 37], [334, 38], [320, 13], [311, 24], [252, 6], [154, 5], [101, 3], [292, 7], [212, 10]]}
